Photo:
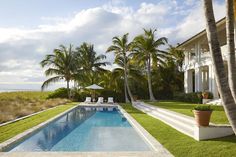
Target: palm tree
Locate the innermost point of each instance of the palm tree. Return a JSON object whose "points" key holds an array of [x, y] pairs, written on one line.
{"points": [[91, 64], [60, 65], [220, 74], [148, 53], [121, 47], [177, 56], [118, 73], [231, 46]]}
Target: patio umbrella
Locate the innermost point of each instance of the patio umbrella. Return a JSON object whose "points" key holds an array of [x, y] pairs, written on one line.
{"points": [[94, 87]]}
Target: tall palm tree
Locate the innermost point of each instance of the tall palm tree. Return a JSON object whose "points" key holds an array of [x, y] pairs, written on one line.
{"points": [[118, 73], [148, 53], [121, 47], [60, 65], [221, 78], [91, 64], [231, 46]]}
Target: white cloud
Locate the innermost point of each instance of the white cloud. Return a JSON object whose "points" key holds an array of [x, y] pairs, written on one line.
{"points": [[22, 49], [195, 21]]}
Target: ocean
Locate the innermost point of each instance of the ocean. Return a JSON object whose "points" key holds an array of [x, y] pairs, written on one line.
{"points": [[27, 87]]}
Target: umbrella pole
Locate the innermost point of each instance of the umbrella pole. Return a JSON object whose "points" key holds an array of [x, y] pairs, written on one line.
{"points": [[94, 94]]}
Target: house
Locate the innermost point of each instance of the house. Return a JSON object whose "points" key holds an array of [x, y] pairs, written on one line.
{"points": [[198, 68]]}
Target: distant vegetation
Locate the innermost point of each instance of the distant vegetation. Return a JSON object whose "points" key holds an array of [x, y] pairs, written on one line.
{"points": [[146, 67], [17, 104]]}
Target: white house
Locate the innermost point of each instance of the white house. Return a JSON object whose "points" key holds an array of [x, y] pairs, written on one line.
{"points": [[198, 70]]}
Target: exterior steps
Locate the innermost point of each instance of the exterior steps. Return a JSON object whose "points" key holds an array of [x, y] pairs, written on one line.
{"points": [[182, 123], [215, 102]]}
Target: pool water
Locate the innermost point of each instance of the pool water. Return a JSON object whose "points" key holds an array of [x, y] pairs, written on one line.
{"points": [[81, 130]]}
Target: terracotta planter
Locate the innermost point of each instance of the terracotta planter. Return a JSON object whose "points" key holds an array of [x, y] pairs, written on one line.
{"points": [[202, 117], [135, 97], [205, 95]]}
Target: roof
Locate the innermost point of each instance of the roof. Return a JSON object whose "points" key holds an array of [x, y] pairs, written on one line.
{"points": [[221, 21]]}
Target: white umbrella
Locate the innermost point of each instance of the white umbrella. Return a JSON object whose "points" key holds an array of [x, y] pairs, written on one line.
{"points": [[94, 87]]}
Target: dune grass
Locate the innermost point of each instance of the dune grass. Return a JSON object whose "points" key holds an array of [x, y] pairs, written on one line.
{"points": [[17, 104], [182, 145], [24, 94], [12, 129], [218, 116]]}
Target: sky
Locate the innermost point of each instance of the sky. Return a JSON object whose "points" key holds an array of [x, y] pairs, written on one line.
{"points": [[30, 29]]}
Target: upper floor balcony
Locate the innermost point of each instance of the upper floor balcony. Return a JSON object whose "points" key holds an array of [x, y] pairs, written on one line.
{"points": [[200, 58]]}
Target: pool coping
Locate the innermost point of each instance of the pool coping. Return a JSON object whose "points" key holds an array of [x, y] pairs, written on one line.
{"points": [[21, 136], [153, 143], [156, 148]]}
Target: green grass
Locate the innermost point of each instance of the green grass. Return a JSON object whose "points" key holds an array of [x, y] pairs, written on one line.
{"points": [[218, 116], [12, 129], [181, 145]]}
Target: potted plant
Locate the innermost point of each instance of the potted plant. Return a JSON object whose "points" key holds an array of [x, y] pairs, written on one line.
{"points": [[205, 95], [135, 97], [202, 114]]}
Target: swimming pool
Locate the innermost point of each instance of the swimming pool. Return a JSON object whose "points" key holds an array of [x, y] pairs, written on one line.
{"points": [[84, 131]]}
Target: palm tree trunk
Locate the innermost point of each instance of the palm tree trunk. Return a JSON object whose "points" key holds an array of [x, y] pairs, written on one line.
{"points": [[126, 80], [128, 89], [231, 46], [125, 90], [68, 88], [220, 74], [151, 96]]}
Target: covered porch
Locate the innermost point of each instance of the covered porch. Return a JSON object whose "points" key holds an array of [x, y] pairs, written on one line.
{"points": [[201, 79]]}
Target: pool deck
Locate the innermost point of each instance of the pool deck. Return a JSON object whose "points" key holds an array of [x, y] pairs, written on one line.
{"points": [[98, 105], [156, 148], [82, 154]]}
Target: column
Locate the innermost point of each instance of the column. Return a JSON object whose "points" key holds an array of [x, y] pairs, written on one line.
{"points": [[186, 81], [198, 79], [211, 78], [212, 82], [198, 52], [188, 84]]}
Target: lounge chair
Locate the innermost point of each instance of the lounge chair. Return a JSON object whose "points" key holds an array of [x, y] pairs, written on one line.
{"points": [[110, 100], [88, 100], [100, 100]]}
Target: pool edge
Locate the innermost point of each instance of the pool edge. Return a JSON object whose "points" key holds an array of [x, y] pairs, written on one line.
{"points": [[156, 149], [153, 143], [21, 136]]}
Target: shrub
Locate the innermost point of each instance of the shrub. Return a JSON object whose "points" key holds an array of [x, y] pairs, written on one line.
{"points": [[118, 97], [203, 108], [207, 95], [58, 93], [189, 97]]}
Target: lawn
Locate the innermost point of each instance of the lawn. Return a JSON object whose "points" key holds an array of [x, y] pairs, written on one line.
{"points": [[17, 104], [218, 116], [12, 129], [182, 145]]}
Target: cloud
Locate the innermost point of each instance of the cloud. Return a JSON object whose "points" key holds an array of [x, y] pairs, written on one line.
{"points": [[22, 49], [194, 22]]}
